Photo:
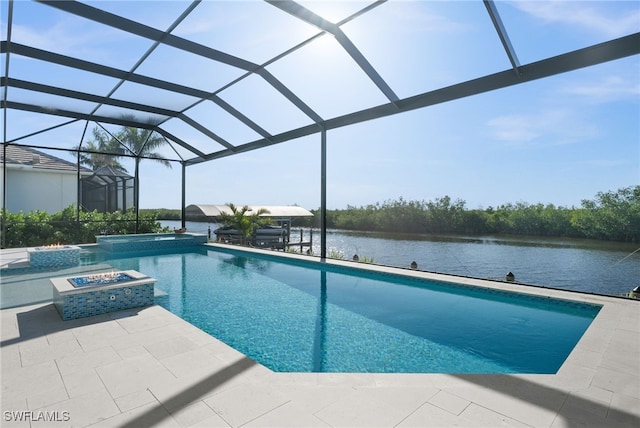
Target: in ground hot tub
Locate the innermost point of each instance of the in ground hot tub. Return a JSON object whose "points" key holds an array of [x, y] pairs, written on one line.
{"points": [[149, 241], [95, 294]]}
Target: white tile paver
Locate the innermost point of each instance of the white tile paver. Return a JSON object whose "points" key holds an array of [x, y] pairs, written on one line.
{"points": [[148, 415], [193, 413], [192, 363], [310, 398], [32, 381], [148, 367], [131, 375], [449, 402], [39, 350], [83, 410], [482, 417], [621, 382], [170, 347], [213, 422], [82, 382], [429, 415], [135, 399], [361, 410], [245, 402], [293, 415], [83, 361]]}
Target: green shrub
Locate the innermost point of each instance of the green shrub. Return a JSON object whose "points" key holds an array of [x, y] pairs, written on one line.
{"points": [[66, 227]]}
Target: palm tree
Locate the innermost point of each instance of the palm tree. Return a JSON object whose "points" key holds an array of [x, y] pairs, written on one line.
{"points": [[105, 149], [102, 151], [244, 223], [143, 142]]}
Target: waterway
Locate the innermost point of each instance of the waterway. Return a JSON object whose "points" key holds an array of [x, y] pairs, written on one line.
{"points": [[599, 267]]}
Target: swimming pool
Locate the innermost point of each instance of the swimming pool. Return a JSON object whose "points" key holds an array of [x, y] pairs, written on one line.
{"points": [[297, 316]]}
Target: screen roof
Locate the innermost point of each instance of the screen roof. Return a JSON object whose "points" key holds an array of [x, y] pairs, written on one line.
{"points": [[218, 78]]}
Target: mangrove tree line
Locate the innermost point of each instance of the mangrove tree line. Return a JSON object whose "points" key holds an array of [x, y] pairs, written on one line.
{"points": [[612, 215]]}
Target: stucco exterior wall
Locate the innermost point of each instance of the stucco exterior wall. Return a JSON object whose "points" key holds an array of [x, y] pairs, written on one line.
{"points": [[30, 189]]}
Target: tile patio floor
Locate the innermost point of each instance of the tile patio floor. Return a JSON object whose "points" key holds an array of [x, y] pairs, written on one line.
{"points": [[147, 367]]}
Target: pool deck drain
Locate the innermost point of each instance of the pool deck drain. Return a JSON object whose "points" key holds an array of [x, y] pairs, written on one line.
{"points": [[147, 367]]}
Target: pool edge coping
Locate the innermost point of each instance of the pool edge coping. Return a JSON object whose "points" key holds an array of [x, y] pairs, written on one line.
{"points": [[586, 371]]}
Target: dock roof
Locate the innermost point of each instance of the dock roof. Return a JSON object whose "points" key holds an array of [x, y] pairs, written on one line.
{"points": [[276, 211]]}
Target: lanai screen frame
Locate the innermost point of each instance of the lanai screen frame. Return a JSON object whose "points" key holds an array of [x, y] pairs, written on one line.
{"points": [[518, 74]]}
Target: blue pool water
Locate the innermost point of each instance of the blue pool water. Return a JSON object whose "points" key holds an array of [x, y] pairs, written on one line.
{"points": [[292, 317]]}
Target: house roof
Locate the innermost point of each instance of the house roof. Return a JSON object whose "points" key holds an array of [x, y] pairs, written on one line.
{"points": [[20, 155], [213, 211]]}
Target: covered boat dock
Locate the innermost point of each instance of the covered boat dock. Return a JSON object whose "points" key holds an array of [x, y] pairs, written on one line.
{"points": [[278, 237]]}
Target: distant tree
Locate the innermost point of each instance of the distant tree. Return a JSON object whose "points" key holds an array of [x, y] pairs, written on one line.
{"points": [[612, 216], [443, 216], [475, 221]]}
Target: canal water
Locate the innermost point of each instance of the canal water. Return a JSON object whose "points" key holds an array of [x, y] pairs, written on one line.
{"points": [[599, 267]]}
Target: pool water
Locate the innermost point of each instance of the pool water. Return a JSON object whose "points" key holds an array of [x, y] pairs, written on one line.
{"points": [[292, 317]]}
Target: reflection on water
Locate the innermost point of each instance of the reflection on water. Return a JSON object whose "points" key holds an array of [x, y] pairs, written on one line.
{"points": [[581, 265], [572, 264]]}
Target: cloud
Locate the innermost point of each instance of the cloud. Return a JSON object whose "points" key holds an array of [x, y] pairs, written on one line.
{"points": [[513, 128], [608, 88], [593, 166], [420, 17], [64, 38], [601, 163], [54, 38], [614, 21], [548, 128]]}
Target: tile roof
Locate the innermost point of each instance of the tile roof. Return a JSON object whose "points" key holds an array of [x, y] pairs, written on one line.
{"points": [[20, 155]]}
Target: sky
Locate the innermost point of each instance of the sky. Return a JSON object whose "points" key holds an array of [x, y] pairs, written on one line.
{"points": [[558, 140]]}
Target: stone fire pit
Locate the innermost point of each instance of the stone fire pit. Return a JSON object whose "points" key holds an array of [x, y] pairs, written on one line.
{"points": [[54, 256], [99, 293]]}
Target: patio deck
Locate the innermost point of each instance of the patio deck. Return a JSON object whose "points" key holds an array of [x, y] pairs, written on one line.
{"points": [[147, 367]]}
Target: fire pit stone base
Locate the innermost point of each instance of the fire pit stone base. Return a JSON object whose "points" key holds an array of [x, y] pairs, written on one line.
{"points": [[54, 256], [79, 301]]}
